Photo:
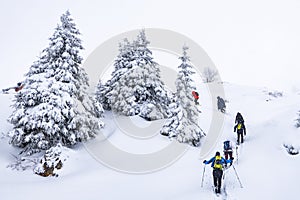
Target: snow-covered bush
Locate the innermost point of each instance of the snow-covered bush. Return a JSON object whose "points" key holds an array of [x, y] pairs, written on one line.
{"points": [[298, 120], [291, 149], [54, 107], [51, 162], [273, 94], [183, 123]]}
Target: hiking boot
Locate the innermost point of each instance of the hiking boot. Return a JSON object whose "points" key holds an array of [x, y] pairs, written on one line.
{"points": [[216, 190]]}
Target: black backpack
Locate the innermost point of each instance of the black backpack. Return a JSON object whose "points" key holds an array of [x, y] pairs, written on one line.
{"points": [[227, 145]]}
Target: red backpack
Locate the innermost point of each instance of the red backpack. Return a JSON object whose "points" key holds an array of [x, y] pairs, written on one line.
{"points": [[195, 95]]}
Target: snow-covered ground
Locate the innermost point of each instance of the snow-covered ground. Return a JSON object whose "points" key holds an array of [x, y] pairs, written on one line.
{"points": [[266, 170]]}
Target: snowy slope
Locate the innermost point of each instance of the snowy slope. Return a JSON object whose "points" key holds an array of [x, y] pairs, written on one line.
{"points": [[265, 168]]}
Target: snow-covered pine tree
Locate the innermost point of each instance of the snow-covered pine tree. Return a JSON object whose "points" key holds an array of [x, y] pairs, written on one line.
{"points": [[101, 94], [140, 90], [184, 121], [174, 121], [122, 64], [122, 98], [54, 106], [142, 54]]}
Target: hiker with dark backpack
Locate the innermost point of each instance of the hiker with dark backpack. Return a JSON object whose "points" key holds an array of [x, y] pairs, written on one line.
{"points": [[221, 104], [241, 132], [196, 97], [228, 150], [218, 163]]}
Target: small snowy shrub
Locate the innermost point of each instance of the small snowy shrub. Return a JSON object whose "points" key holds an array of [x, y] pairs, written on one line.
{"points": [[273, 94], [209, 75], [291, 149], [298, 120], [51, 162]]}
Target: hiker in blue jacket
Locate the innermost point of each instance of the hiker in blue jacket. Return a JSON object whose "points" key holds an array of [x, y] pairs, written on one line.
{"points": [[217, 163]]}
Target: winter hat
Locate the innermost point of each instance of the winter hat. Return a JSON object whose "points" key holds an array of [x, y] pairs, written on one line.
{"points": [[218, 153]]}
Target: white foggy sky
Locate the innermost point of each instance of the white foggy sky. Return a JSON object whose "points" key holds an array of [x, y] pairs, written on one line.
{"points": [[254, 43]]}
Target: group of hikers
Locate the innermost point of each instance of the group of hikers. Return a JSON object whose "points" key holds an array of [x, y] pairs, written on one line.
{"points": [[220, 103], [218, 163]]}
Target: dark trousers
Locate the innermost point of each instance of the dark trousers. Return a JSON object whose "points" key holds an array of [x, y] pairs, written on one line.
{"points": [[217, 174], [228, 154], [240, 138]]}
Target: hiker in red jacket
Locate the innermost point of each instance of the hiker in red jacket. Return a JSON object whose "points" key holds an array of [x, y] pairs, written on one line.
{"points": [[196, 97], [17, 88]]}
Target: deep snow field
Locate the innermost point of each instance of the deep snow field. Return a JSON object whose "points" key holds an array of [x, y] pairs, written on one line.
{"points": [[265, 169]]}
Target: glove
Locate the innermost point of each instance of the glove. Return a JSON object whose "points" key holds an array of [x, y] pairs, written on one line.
{"points": [[204, 161]]}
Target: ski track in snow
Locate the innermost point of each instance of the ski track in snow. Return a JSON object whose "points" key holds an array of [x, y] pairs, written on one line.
{"points": [[264, 167]]}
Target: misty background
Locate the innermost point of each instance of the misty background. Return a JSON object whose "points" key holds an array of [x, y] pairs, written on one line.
{"points": [[251, 43]]}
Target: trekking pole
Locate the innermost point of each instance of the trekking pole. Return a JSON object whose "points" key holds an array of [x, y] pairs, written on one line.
{"points": [[224, 171], [237, 155], [203, 176], [237, 177]]}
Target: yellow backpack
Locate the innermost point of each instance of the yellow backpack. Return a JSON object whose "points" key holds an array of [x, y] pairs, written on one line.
{"points": [[218, 163], [239, 126]]}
